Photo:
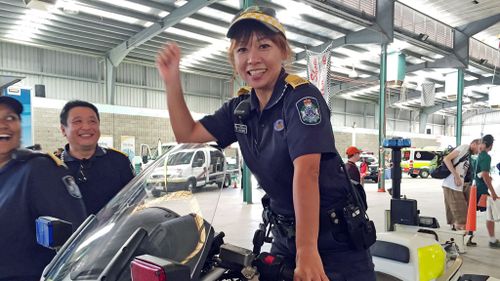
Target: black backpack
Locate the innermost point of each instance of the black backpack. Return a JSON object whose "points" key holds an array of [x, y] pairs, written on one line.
{"points": [[441, 171]]}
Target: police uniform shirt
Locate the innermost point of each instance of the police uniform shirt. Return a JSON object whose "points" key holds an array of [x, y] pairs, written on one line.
{"points": [[30, 187], [100, 177], [295, 122]]}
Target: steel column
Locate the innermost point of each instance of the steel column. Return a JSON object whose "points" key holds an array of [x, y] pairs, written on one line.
{"points": [[460, 92], [110, 81], [381, 118]]}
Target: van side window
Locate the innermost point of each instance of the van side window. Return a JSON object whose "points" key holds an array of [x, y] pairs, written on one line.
{"points": [[424, 155], [199, 159], [217, 161]]}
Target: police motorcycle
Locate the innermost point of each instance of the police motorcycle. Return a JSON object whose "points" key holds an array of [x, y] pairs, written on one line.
{"points": [[414, 248], [143, 238]]}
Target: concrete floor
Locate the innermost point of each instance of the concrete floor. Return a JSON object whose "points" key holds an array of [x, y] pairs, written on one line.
{"points": [[239, 220]]}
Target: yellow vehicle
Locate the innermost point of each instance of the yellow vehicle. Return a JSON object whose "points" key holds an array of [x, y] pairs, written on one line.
{"points": [[416, 161]]}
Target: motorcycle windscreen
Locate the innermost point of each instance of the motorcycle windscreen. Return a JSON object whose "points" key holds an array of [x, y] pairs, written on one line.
{"points": [[149, 217]]}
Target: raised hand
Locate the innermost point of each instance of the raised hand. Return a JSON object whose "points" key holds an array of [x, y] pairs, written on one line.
{"points": [[167, 62]]}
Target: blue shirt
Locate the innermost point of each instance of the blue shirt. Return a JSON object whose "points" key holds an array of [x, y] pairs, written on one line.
{"points": [[32, 186], [100, 177], [295, 122]]}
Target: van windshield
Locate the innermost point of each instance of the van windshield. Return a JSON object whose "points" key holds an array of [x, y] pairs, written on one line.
{"points": [[180, 158]]}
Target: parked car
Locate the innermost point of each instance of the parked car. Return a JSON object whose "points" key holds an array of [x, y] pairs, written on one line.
{"points": [[188, 167]]}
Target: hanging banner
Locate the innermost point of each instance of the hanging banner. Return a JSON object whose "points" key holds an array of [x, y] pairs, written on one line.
{"points": [[428, 94], [318, 71]]}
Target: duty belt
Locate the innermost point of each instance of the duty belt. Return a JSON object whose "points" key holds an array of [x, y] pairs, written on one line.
{"points": [[284, 224]]}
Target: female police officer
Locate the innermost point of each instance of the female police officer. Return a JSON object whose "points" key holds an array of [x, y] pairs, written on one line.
{"points": [[31, 185], [283, 128]]}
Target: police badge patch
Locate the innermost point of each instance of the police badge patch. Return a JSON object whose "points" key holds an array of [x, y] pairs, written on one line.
{"points": [[72, 187], [308, 108]]}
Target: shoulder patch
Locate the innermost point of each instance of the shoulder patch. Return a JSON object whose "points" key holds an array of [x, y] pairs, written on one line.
{"points": [[116, 150], [58, 161], [244, 91], [308, 108], [72, 187], [26, 155], [295, 80]]}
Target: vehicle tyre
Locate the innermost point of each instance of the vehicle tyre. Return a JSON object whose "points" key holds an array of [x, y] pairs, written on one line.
{"points": [[227, 181], [424, 174], [191, 185], [413, 176]]}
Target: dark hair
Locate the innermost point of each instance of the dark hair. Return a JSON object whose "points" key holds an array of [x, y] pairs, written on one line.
{"points": [[63, 117], [244, 32], [488, 140]]}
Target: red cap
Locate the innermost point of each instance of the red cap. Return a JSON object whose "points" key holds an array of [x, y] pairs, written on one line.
{"points": [[351, 150]]}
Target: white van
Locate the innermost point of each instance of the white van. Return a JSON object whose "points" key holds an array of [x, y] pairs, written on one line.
{"points": [[187, 168]]}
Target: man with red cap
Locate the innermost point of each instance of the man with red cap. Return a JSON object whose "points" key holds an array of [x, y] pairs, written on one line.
{"points": [[353, 155]]}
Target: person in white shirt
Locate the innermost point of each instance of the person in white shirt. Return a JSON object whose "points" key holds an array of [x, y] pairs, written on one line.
{"points": [[458, 162]]}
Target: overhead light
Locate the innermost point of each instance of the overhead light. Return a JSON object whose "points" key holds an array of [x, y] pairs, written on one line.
{"points": [[353, 73], [70, 8], [44, 5], [423, 36]]}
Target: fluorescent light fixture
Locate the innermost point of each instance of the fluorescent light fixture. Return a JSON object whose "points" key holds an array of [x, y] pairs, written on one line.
{"points": [[29, 25], [353, 73], [211, 12], [197, 36], [109, 15], [163, 14], [205, 25], [129, 5], [203, 54]]}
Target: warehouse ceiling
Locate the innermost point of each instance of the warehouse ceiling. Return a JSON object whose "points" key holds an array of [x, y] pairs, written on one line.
{"points": [[136, 29]]}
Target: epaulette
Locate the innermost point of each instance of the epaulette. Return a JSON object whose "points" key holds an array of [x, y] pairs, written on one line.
{"points": [[116, 150], [295, 80], [27, 154], [245, 90]]}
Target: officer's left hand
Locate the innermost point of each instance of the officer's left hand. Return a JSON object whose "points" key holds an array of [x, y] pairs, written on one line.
{"points": [[309, 266]]}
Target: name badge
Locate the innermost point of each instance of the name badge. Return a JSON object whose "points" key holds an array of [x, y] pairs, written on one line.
{"points": [[240, 128]]}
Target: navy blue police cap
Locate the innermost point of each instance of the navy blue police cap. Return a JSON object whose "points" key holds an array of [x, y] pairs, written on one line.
{"points": [[12, 103]]}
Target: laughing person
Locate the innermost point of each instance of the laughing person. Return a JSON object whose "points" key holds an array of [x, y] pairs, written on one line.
{"points": [[99, 172], [31, 185]]}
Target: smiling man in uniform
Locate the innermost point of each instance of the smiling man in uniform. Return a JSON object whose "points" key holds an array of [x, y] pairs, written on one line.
{"points": [[99, 172]]}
